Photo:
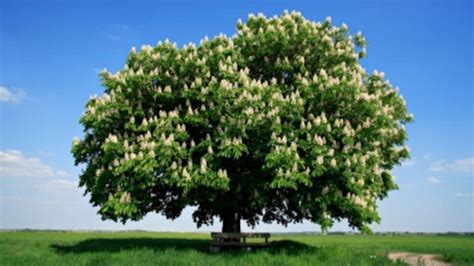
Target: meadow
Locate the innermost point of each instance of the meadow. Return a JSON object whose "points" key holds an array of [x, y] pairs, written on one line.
{"points": [[150, 248]]}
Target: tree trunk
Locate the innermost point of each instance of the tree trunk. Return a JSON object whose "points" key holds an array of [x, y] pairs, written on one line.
{"points": [[230, 222]]}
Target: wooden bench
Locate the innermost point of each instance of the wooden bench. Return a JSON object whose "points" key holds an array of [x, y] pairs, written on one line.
{"points": [[236, 240]]}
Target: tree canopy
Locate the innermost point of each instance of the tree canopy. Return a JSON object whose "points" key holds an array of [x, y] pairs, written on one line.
{"points": [[278, 123]]}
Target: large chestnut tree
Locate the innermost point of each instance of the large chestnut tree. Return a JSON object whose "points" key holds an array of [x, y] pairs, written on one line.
{"points": [[278, 123]]}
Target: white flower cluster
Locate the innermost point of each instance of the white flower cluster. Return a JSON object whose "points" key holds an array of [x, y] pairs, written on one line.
{"points": [[360, 182], [185, 174], [222, 173], [167, 140], [76, 141], [111, 138], [236, 141], [357, 200], [203, 166], [125, 197]]}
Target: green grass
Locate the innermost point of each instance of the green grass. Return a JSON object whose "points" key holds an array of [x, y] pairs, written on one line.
{"points": [[148, 248]]}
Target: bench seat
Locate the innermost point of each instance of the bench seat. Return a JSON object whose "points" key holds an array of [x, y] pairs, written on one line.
{"points": [[236, 240]]}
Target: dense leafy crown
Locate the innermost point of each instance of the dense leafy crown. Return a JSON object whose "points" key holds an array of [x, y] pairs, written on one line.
{"points": [[279, 122]]}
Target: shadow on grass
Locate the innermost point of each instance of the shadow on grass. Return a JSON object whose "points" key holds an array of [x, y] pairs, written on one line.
{"points": [[110, 245]]}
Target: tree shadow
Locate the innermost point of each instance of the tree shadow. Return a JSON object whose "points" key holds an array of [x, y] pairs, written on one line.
{"points": [[112, 245]]}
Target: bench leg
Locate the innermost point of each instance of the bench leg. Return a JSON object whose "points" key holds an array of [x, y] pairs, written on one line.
{"points": [[214, 249]]}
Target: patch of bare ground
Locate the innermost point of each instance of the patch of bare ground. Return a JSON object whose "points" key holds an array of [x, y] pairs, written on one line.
{"points": [[415, 259]]}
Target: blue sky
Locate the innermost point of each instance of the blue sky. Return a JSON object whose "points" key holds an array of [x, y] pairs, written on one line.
{"points": [[51, 52]]}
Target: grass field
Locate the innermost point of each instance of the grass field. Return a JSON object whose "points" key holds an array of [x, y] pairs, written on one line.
{"points": [[148, 248]]}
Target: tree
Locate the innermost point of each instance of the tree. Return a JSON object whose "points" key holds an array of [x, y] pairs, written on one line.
{"points": [[279, 123]]}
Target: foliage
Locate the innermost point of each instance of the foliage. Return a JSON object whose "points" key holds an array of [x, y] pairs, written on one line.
{"points": [[280, 123]]}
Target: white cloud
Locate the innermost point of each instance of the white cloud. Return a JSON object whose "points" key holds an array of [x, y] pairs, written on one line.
{"points": [[44, 154], [58, 187], [407, 163], [427, 156], [461, 194], [14, 164], [433, 180], [462, 165], [9, 96], [62, 185]]}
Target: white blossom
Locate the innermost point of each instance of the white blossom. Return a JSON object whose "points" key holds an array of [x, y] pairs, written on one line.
{"points": [[319, 140], [293, 146], [111, 138], [317, 121], [302, 125], [125, 197], [222, 173], [348, 163], [186, 175], [152, 154], [76, 141], [174, 166], [323, 74], [331, 152], [203, 166], [294, 168], [320, 159]]}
